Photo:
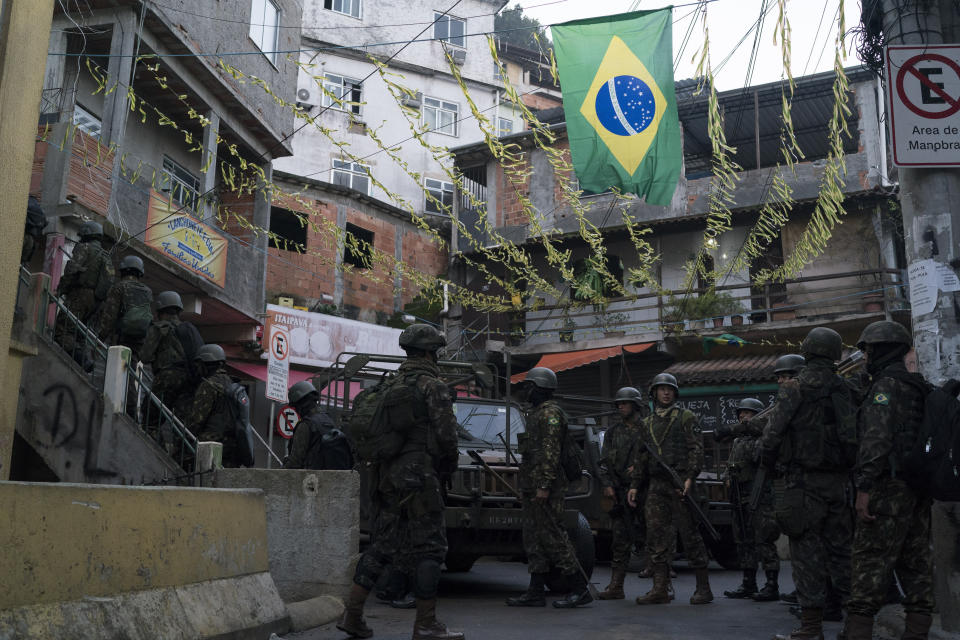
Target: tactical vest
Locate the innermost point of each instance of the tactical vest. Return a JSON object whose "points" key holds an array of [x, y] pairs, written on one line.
{"points": [[912, 392], [219, 424], [666, 434], [819, 439], [170, 353]]}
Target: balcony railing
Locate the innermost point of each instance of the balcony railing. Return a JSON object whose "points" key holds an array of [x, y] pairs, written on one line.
{"points": [[650, 316]]}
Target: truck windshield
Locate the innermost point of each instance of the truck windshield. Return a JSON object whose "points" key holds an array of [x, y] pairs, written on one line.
{"points": [[485, 421]]}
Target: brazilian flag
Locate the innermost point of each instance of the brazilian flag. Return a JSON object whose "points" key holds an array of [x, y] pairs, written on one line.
{"points": [[617, 78]]}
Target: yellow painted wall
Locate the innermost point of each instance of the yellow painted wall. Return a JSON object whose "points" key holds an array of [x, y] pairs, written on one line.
{"points": [[62, 542], [24, 37]]}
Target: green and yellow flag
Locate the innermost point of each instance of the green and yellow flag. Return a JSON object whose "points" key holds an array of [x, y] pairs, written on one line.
{"points": [[617, 78]]}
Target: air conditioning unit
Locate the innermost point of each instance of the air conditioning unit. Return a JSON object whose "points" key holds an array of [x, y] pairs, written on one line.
{"points": [[459, 56], [413, 101], [305, 99]]}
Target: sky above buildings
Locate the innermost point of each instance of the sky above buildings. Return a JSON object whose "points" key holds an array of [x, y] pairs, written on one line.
{"points": [[814, 25]]}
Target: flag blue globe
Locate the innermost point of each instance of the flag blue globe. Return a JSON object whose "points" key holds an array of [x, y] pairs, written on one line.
{"points": [[625, 105]]}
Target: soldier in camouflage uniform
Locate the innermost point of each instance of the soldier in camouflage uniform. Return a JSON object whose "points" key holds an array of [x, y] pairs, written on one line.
{"points": [[893, 527], [173, 381], [675, 434], [126, 293], [86, 279], [755, 531], [209, 416], [410, 530], [316, 442], [616, 465], [810, 434], [543, 485]]}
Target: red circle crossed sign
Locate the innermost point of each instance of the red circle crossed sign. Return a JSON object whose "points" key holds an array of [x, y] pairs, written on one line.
{"points": [[910, 66]]}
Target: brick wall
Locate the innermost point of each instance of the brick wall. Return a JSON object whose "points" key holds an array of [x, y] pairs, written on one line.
{"points": [[91, 165], [536, 101], [509, 209], [238, 205], [358, 290], [423, 255], [306, 275]]}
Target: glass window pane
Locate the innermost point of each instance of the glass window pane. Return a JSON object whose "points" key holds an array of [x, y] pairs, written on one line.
{"points": [[361, 183], [457, 30], [441, 27], [341, 178]]}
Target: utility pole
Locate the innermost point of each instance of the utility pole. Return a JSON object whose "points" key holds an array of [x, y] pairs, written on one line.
{"points": [[930, 200]]}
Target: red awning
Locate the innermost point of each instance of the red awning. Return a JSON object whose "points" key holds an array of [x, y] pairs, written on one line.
{"points": [[258, 371], [572, 359]]}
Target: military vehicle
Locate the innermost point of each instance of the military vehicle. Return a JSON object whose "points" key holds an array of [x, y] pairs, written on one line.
{"points": [[483, 515]]}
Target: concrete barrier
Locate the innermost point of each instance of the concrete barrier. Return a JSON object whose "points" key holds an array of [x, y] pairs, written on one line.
{"points": [[313, 531], [94, 561]]}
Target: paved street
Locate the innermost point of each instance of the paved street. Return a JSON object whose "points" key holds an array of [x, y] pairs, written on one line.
{"points": [[473, 602]]}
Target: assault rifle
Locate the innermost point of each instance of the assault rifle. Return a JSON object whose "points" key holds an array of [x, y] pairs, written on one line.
{"points": [[688, 498], [737, 496], [759, 478]]}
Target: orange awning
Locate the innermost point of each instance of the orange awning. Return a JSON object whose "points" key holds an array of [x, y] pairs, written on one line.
{"points": [[572, 359]]}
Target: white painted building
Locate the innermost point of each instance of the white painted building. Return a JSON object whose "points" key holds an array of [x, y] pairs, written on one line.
{"points": [[337, 38]]}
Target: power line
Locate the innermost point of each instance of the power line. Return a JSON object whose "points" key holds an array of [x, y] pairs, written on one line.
{"points": [[340, 47], [337, 27]]}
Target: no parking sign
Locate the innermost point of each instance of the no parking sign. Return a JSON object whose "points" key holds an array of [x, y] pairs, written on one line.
{"points": [[286, 421], [923, 85]]}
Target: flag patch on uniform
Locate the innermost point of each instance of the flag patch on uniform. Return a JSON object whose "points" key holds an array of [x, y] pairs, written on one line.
{"points": [[553, 420], [881, 398]]}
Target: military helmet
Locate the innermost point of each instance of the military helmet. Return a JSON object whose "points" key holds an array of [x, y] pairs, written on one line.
{"points": [[132, 263], [90, 228], [629, 394], [168, 299], [823, 342], [750, 404], [210, 353], [423, 337], [663, 379], [542, 377], [300, 391], [884, 331], [790, 363]]}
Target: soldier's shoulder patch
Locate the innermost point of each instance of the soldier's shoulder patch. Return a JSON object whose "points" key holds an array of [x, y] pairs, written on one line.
{"points": [[553, 419], [881, 398]]}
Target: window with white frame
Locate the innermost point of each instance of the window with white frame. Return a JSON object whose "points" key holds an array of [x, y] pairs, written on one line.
{"points": [[183, 186], [504, 126], [497, 74], [449, 29], [86, 121], [351, 174], [265, 27], [441, 116], [442, 193], [348, 7], [345, 90]]}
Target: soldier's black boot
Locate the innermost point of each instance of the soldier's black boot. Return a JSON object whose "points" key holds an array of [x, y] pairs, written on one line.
{"points": [[534, 595], [771, 590], [352, 622], [427, 627], [703, 594], [404, 602], [857, 627], [789, 598], [579, 594], [917, 626], [747, 588]]}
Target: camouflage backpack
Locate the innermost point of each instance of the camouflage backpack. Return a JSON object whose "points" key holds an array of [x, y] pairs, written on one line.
{"points": [[382, 415], [137, 315]]}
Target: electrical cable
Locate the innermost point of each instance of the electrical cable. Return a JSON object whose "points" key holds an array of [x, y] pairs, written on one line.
{"points": [[345, 47]]}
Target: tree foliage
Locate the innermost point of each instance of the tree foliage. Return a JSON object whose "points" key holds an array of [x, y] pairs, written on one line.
{"points": [[516, 28]]}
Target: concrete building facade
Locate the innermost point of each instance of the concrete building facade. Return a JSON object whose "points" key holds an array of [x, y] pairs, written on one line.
{"points": [[857, 278], [338, 40]]}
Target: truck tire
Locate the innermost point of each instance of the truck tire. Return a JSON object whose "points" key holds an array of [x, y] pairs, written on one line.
{"points": [[583, 546], [460, 563]]}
